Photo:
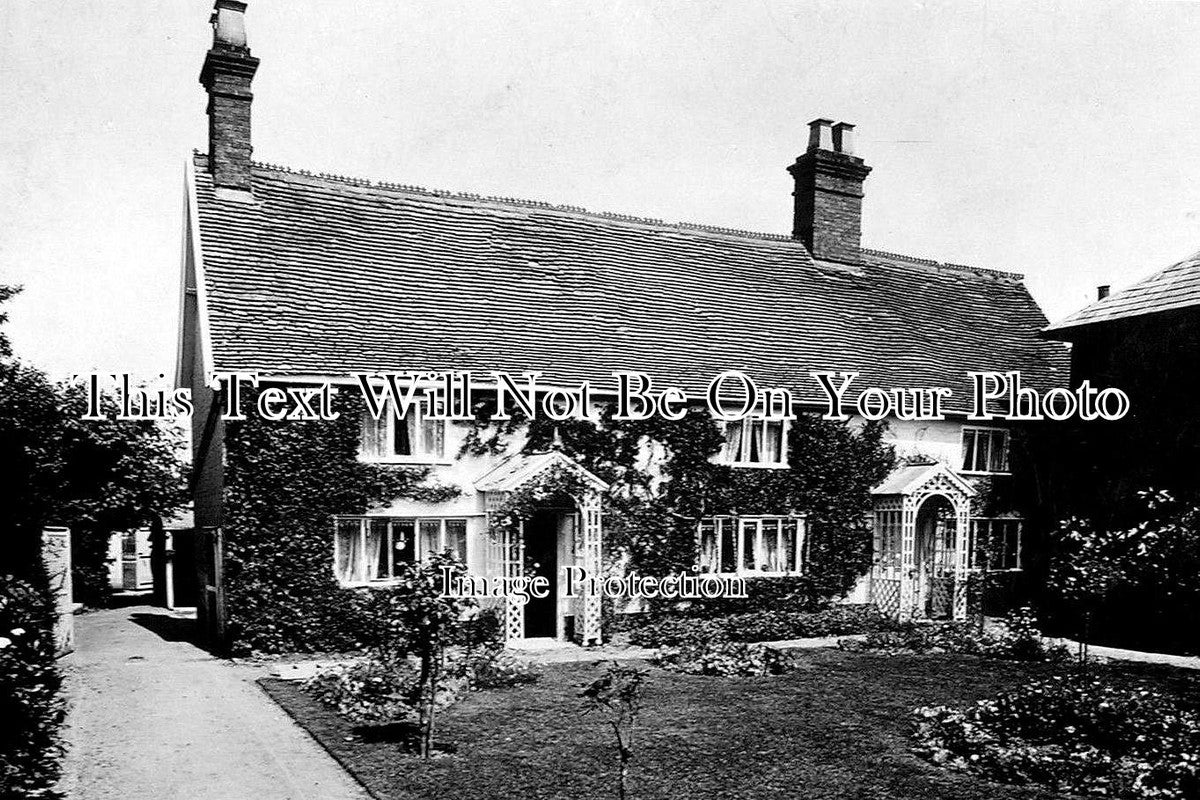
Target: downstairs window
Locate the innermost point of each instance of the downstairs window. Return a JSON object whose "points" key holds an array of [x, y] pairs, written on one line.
{"points": [[371, 549], [759, 545]]}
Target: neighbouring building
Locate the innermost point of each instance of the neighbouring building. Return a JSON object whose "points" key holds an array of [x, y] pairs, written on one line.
{"points": [[1146, 341], [305, 278]]}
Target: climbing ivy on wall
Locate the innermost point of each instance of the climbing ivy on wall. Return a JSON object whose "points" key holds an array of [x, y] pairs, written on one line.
{"points": [[284, 482], [663, 481]]}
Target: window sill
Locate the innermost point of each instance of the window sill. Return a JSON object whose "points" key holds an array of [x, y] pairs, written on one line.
{"points": [[751, 574], [750, 465], [409, 461], [379, 584], [981, 472]]}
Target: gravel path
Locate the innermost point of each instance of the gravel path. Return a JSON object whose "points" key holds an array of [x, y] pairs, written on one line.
{"points": [[154, 716]]}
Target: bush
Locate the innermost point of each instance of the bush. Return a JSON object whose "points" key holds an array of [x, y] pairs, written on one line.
{"points": [[493, 667], [371, 691], [30, 701], [759, 626], [1017, 638], [724, 658], [384, 690], [1073, 735]]}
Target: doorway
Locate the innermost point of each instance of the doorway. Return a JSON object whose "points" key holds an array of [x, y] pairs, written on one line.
{"points": [[933, 558], [541, 559]]}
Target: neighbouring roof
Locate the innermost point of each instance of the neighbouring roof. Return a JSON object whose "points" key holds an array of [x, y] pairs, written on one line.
{"points": [[1177, 286], [319, 275]]}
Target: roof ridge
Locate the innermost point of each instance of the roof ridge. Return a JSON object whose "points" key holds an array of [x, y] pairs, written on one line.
{"points": [[999, 273], [521, 202]]}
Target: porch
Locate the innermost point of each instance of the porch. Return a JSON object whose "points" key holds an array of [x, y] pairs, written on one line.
{"points": [[929, 549], [543, 519]]}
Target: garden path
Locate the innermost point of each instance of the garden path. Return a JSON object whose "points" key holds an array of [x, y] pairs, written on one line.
{"points": [[153, 715]]}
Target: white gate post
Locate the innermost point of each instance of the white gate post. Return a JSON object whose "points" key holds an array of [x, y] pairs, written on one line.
{"points": [[56, 556]]}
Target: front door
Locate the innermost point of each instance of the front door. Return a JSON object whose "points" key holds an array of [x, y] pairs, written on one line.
{"points": [[934, 559], [541, 559]]}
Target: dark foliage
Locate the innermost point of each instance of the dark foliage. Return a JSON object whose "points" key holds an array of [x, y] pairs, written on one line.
{"points": [[759, 626], [1073, 735], [284, 482], [31, 706]]}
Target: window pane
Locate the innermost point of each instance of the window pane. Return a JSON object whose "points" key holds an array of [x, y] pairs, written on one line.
{"points": [[754, 435], [431, 531], [999, 452], [733, 442], [968, 450], [377, 554], [404, 543], [728, 545], [432, 438], [708, 547], [774, 443], [791, 531], [402, 435], [749, 537], [456, 537], [772, 554], [348, 542], [373, 436], [983, 451]]}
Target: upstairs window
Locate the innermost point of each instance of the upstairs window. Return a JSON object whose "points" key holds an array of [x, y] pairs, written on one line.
{"points": [[755, 443], [371, 549], [771, 545], [985, 450], [412, 440]]}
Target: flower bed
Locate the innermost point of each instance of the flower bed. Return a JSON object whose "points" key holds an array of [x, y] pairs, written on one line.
{"points": [[1017, 638], [382, 690], [1073, 735], [758, 626]]}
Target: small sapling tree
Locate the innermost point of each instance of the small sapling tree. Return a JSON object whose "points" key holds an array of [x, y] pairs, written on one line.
{"points": [[428, 620], [618, 695]]}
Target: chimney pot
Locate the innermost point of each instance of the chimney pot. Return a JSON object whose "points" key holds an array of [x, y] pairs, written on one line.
{"points": [[843, 138], [229, 23], [1102, 291], [820, 135]]}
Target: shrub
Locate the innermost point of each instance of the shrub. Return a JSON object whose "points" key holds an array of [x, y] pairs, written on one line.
{"points": [[30, 701], [759, 626], [1074, 735], [1130, 585], [493, 667], [724, 658], [385, 690], [370, 691], [1016, 638]]}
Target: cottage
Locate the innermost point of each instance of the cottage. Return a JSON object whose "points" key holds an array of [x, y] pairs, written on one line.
{"points": [[305, 279]]}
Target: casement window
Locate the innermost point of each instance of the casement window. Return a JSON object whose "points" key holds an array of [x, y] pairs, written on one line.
{"points": [[755, 443], [996, 543], [371, 549], [769, 545], [985, 450], [412, 440]]}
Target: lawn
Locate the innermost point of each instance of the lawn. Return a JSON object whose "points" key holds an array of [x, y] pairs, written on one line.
{"points": [[837, 728]]}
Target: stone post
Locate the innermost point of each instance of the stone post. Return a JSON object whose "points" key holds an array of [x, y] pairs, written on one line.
{"points": [[56, 555]]}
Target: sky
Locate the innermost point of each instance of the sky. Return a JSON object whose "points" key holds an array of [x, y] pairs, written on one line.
{"points": [[1058, 140]]}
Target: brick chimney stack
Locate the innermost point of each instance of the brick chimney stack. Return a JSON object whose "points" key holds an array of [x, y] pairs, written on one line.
{"points": [[228, 70], [829, 192]]}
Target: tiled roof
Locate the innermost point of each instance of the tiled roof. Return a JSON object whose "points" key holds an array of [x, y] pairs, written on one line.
{"points": [[1177, 286], [326, 276]]}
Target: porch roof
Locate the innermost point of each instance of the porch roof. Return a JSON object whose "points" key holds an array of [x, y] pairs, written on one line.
{"points": [[911, 478], [518, 470]]}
